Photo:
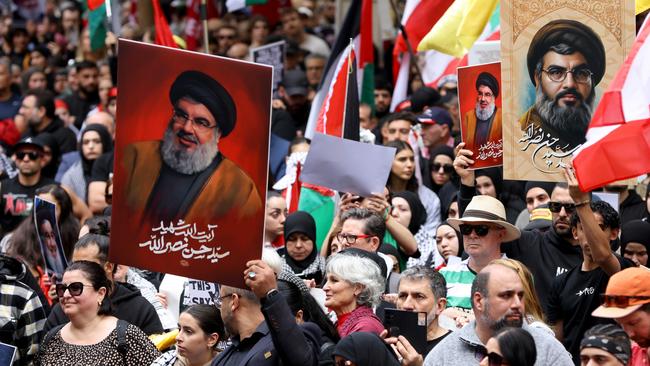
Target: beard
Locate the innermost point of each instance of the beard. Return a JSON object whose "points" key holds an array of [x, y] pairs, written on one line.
{"points": [[184, 161], [484, 113], [570, 121], [503, 322]]}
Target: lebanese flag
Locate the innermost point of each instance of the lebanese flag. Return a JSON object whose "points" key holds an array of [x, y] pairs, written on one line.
{"points": [[618, 138], [164, 35], [193, 25], [335, 108]]}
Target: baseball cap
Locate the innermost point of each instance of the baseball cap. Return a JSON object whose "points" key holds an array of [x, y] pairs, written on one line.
{"points": [[29, 142], [626, 292], [540, 218], [295, 82], [436, 115]]}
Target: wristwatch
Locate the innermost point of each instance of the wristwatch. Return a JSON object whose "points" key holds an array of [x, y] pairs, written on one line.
{"points": [[271, 294]]}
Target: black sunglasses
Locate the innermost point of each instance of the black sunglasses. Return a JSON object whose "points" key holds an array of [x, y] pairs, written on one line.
{"points": [[556, 207], [495, 359], [480, 230], [32, 155], [75, 289], [447, 168]]}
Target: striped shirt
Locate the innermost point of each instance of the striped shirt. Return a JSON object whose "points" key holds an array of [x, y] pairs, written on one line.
{"points": [[459, 279]]}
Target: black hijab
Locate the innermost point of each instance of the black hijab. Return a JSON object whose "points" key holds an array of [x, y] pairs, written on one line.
{"points": [[365, 349], [107, 145], [418, 212], [48, 140], [300, 222]]}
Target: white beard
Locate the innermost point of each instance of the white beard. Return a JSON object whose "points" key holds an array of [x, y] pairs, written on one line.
{"points": [[484, 114], [184, 161]]}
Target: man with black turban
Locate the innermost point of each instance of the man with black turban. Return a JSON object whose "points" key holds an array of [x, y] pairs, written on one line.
{"points": [[566, 60], [484, 122], [184, 176]]}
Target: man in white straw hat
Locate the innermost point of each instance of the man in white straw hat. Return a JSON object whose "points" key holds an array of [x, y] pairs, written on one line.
{"points": [[484, 228]]}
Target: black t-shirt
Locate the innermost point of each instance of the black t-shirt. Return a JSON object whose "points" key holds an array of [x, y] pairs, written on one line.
{"points": [[79, 107], [547, 256], [17, 201], [102, 168], [64, 137], [574, 296], [433, 343]]}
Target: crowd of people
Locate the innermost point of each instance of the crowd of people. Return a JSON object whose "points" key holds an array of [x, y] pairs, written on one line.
{"points": [[499, 272]]}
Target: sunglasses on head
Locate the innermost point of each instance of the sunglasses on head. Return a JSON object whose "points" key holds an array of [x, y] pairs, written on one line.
{"points": [[480, 230], [619, 301], [75, 288], [556, 207], [31, 154], [447, 168]]}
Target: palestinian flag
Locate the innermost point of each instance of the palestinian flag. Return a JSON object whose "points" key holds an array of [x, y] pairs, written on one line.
{"points": [[234, 5], [335, 108], [97, 25], [94, 4]]}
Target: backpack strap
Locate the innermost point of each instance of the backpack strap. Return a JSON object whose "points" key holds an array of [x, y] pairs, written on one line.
{"points": [[122, 345]]}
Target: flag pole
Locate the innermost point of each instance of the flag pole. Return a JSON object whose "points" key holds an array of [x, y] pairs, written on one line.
{"points": [[204, 20], [406, 38]]}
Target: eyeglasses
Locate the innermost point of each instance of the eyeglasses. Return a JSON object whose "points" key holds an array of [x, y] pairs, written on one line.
{"points": [[343, 363], [218, 301], [620, 301], [32, 155], [351, 238], [480, 230], [558, 74], [556, 207], [75, 289], [447, 168], [199, 124]]}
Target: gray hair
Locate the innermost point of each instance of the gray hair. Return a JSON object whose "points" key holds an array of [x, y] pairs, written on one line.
{"points": [[358, 270], [244, 294], [434, 278], [373, 223]]}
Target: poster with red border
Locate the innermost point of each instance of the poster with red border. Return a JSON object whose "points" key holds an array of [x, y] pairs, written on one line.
{"points": [[191, 162], [479, 99]]}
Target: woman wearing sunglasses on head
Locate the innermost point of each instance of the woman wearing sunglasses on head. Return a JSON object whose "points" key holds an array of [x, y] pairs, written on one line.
{"points": [[200, 330], [93, 336], [510, 346]]}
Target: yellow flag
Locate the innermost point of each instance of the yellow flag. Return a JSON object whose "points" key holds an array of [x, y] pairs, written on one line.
{"points": [[460, 26], [641, 6]]}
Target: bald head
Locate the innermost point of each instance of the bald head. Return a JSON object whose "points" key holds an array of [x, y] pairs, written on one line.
{"points": [[104, 119], [498, 297]]}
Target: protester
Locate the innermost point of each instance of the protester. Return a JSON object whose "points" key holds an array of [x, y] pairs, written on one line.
{"points": [[95, 140], [510, 346], [441, 167], [22, 304], [276, 214], [402, 178], [364, 349], [409, 211], [449, 243], [354, 284], [605, 344], [126, 300], [200, 330], [302, 256], [497, 301], [627, 300], [635, 240]]}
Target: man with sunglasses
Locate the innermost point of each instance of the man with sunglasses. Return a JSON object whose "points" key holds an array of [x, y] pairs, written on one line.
{"points": [[18, 193], [484, 228], [497, 297], [627, 301], [575, 294], [185, 176], [547, 254]]}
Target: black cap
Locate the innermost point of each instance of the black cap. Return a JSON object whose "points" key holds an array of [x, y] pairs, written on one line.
{"points": [[30, 142]]}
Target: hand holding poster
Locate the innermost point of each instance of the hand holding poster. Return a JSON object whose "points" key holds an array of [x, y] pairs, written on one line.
{"points": [[557, 59], [49, 238], [479, 101], [191, 162]]}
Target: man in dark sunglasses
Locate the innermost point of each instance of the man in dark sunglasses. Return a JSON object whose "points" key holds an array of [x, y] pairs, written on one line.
{"points": [[576, 293], [497, 302], [627, 301], [547, 254], [17, 193]]}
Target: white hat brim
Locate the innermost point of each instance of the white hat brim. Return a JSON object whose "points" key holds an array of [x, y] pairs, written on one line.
{"points": [[512, 232]]}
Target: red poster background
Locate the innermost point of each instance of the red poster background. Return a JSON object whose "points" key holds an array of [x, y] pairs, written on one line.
{"points": [[145, 74], [467, 101]]}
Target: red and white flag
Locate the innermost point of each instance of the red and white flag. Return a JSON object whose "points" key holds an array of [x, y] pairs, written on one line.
{"points": [[618, 138]]}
